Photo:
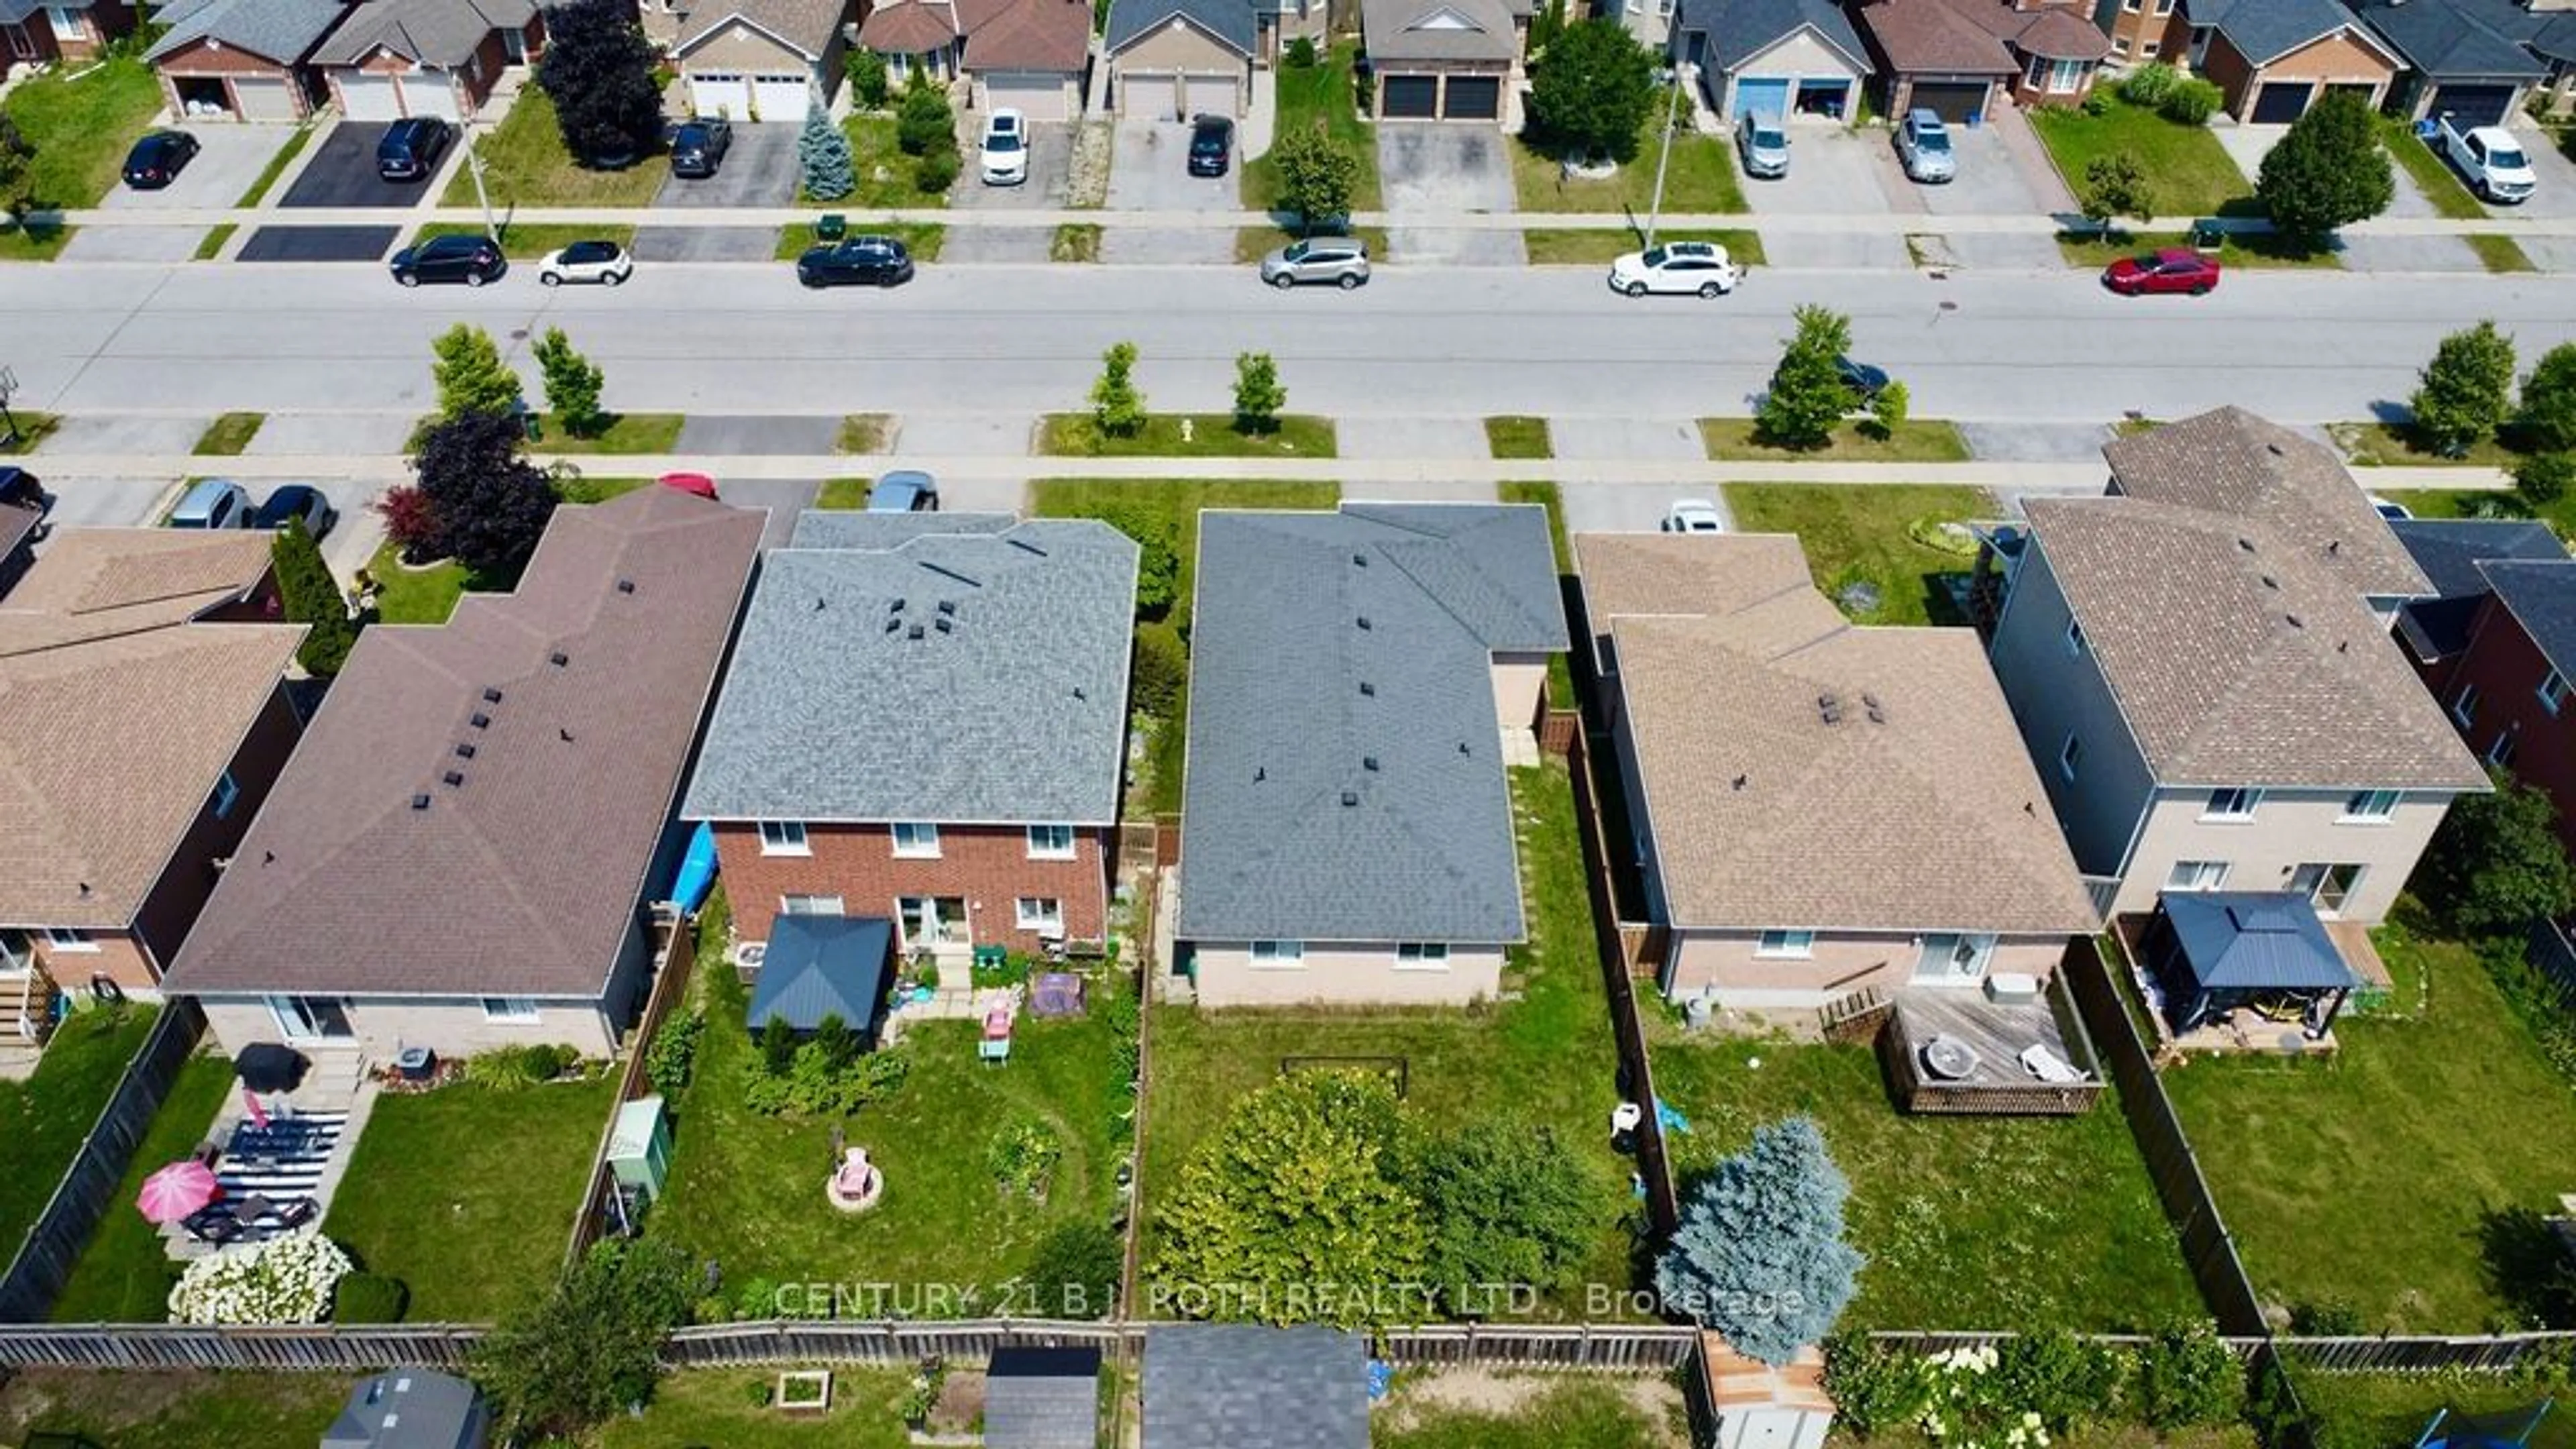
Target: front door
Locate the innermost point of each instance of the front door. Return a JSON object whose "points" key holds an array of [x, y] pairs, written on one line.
{"points": [[1953, 959], [2327, 885], [311, 1018]]}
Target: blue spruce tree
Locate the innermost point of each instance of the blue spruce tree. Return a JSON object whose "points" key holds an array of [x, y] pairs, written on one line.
{"points": [[823, 154], [1759, 1256]]}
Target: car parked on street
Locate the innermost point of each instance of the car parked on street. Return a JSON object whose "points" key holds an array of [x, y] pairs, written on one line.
{"points": [[1763, 143], [2174, 269], [465, 258], [698, 148], [1866, 382], [297, 502], [1211, 145], [211, 503], [411, 148], [1681, 267], [157, 159], [604, 262], [1694, 515], [1340, 260], [1004, 157], [859, 261], [905, 490], [1923, 144]]}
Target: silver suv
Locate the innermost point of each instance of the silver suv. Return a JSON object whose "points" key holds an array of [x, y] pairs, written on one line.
{"points": [[1339, 260], [1763, 143], [1923, 143]]}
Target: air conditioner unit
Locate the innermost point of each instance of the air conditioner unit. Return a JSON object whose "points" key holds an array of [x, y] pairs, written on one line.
{"points": [[2012, 988]]}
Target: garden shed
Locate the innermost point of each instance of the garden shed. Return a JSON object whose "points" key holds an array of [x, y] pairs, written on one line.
{"points": [[1042, 1398], [639, 1147]]}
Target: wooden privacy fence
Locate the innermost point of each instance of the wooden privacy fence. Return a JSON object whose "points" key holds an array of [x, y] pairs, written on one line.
{"points": [[1663, 1205], [1640, 1348], [175, 1346], [677, 954], [89, 1188]]}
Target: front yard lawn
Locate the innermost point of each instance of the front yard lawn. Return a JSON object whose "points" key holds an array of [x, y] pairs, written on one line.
{"points": [[529, 241], [884, 173], [2188, 172], [1921, 440], [81, 129], [124, 1274], [1701, 177], [1598, 246], [2253, 249], [467, 1193], [2476, 503], [1324, 94], [722, 1406], [625, 433], [169, 1409], [44, 1119], [1542, 1057], [1968, 1222], [2384, 1177], [525, 164], [2386, 444], [1187, 435], [38, 241], [1867, 535], [2431, 174]]}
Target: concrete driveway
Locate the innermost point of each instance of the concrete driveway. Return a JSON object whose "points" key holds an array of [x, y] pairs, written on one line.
{"points": [[2556, 193], [759, 170], [1990, 182], [318, 244], [705, 244], [343, 173], [1434, 170], [228, 162], [1050, 174], [1150, 172], [102, 502], [1632, 507], [1831, 173]]}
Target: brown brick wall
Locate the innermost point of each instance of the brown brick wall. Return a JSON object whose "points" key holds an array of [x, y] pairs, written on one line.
{"points": [[988, 866], [189, 878], [2506, 667]]}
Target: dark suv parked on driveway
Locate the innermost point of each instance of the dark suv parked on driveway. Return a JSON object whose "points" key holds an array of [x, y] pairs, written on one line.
{"points": [[699, 147], [410, 149], [1211, 145]]}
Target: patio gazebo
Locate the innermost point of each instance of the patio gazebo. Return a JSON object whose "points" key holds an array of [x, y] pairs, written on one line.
{"points": [[2215, 952]]}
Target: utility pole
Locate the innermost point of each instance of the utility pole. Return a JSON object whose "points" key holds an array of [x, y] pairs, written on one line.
{"points": [[474, 163], [1663, 162]]}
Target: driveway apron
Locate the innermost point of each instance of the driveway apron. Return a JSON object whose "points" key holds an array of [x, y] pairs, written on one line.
{"points": [[1433, 170]]}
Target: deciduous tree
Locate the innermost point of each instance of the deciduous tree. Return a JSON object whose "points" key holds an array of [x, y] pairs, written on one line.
{"points": [[2329, 171], [2116, 186], [470, 374], [1808, 397], [2466, 390], [2495, 866], [1759, 1255], [590, 1346], [2547, 419], [572, 385], [1258, 396], [1117, 408], [1507, 1204], [490, 502], [1316, 175], [1595, 89], [17, 167], [598, 71]]}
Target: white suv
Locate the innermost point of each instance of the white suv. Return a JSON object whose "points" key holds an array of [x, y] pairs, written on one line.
{"points": [[1005, 154]]}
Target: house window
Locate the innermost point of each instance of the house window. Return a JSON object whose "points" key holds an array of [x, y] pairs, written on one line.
{"points": [[783, 837], [2074, 637], [2197, 875], [1282, 954], [810, 906], [2070, 755], [2128, 7], [2119, 45], [2232, 804], [1050, 842], [2164, 7], [2370, 805], [2327, 885], [1422, 956], [915, 841], [227, 795], [1786, 945], [1043, 914], [2464, 706], [2500, 754], [2553, 690], [68, 24], [57, 939], [518, 1010], [2060, 77], [2149, 49]]}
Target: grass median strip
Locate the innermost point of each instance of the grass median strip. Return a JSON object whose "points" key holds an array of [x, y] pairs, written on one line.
{"points": [[2500, 253], [864, 433], [1600, 246], [528, 241], [212, 244], [1929, 440], [625, 433], [277, 165], [226, 436], [2237, 249], [36, 240], [845, 493], [922, 239], [1075, 241], [1186, 435], [2381, 444], [1518, 437], [33, 428]]}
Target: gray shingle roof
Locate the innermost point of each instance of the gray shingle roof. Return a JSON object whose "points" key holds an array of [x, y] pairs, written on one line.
{"points": [[1226, 1386], [2542, 598], [1738, 30], [1281, 733], [1231, 21], [278, 30], [409, 1408], [432, 32], [2449, 551], [1467, 30], [2458, 39], [850, 528], [2265, 30], [1017, 713], [1042, 1398]]}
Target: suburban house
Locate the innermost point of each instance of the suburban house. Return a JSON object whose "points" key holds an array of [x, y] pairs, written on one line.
{"points": [[1357, 689], [1221, 1385], [37, 33], [460, 856], [2271, 59], [1031, 55], [240, 60], [2435, 629], [2230, 462], [143, 675], [2211, 706], [760, 60], [1441, 60], [926, 719], [2506, 689], [396, 58], [1174, 59], [2476, 59], [1818, 809], [1950, 56], [1773, 57]]}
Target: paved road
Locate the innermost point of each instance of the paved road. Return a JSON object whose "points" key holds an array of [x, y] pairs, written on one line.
{"points": [[743, 339]]}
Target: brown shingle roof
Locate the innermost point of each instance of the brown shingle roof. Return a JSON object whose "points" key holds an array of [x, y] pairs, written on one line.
{"points": [[522, 879], [128, 578], [909, 27], [2060, 35], [1913, 808], [1039, 35], [1929, 37], [2230, 461], [806, 25], [2237, 659]]}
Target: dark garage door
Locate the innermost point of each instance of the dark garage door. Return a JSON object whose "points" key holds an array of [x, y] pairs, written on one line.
{"points": [[2473, 105], [2281, 102], [1412, 97], [1475, 98], [1953, 101]]}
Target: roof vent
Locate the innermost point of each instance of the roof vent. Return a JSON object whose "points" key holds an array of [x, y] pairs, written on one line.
{"points": [[559, 659], [465, 752], [948, 607], [563, 734], [818, 603], [1364, 621], [896, 607], [420, 802], [892, 623], [1462, 748], [2334, 547], [1359, 560], [1830, 708], [625, 586], [1877, 712], [480, 721], [946, 625], [915, 632], [1369, 763], [1742, 780], [1350, 798], [2295, 621], [2270, 582], [1367, 690], [2246, 544], [1260, 773], [491, 696], [1080, 693], [2275, 450], [452, 779]]}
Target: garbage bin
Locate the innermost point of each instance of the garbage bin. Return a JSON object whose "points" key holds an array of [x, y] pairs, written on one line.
{"points": [[528, 418], [829, 227]]}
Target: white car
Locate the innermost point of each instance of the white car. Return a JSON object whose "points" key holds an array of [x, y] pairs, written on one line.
{"points": [[1005, 157], [1694, 515], [604, 262], [1681, 267]]}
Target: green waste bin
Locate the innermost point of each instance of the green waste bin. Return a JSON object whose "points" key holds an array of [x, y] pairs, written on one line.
{"points": [[829, 227]]}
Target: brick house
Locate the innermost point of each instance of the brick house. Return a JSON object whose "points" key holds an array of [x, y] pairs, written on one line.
{"points": [[1960, 58], [2506, 688], [33, 32], [926, 719], [241, 60], [2271, 59]]}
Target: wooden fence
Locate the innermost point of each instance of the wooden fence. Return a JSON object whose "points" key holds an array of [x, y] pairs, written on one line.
{"points": [[2423, 1353], [89, 1187], [1636, 1072], [177, 1346], [678, 953]]}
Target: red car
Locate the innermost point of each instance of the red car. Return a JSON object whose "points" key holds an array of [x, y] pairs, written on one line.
{"points": [[2175, 269]]}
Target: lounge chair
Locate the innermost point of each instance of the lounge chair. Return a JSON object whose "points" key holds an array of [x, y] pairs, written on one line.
{"points": [[213, 1224]]}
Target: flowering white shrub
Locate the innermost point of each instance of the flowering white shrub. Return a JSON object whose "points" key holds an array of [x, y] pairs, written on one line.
{"points": [[283, 1280]]}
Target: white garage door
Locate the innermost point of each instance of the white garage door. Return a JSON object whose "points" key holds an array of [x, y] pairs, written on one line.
{"points": [[368, 97], [429, 94], [263, 99], [1145, 94], [1212, 95], [717, 94], [780, 97], [1039, 95]]}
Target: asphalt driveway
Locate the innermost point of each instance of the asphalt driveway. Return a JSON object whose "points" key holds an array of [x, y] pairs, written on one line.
{"points": [[705, 244], [343, 173], [1433, 170], [759, 170], [319, 244], [1830, 174], [228, 162], [1150, 172], [2555, 193]]}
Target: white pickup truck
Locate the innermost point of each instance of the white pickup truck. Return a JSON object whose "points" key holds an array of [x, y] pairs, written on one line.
{"points": [[2490, 158]]}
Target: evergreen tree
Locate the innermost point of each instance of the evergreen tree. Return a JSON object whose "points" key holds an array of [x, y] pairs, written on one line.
{"points": [[823, 155], [1759, 1255], [312, 598]]}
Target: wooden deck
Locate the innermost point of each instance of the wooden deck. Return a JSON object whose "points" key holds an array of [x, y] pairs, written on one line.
{"points": [[1998, 1033]]}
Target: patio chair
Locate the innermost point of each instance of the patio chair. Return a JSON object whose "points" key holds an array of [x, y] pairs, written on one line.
{"points": [[296, 1212], [215, 1225]]}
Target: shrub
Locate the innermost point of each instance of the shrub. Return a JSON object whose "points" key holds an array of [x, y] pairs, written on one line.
{"points": [[923, 121], [1507, 1204], [312, 598], [2326, 1318], [1161, 669], [937, 169], [2543, 478], [2064, 1379], [370, 1298], [511, 1068], [412, 523], [282, 1280], [2149, 85], [868, 80], [1158, 551], [1301, 53], [2187, 1377], [2191, 102], [1073, 1273], [1874, 1389], [1022, 1156], [674, 1052], [810, 1085]]}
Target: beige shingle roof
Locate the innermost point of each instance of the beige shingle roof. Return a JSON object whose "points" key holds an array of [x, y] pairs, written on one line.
{"points": [[1913, 808], [2238, 660], [141, 577], [2232, 462]]}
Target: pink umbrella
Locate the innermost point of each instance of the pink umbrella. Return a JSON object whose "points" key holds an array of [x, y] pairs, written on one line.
{"points": [[697, 483], [176, 1191]]}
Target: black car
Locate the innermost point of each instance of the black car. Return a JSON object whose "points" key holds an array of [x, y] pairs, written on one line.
{"points": [[699, 147], [22, 489], [472, 260], [410, 149], [156, 160], [1866, 382], [297, 501], [876, 261], [1211, 145]]}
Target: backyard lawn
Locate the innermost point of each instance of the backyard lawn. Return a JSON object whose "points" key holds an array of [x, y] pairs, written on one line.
{"points": [[2389, 1178], [720, 1406], [1857, 441], [1862, 535], [124, 1275], [1324, 94], [140, 1409], [44, 1119], [2188, 172], [525, 164], [1543, 1058], [1967, 1222], [2366, 1411], [467, 1193], [81, 129], [1186, 435], [1701, 177], [1539, 1411]]}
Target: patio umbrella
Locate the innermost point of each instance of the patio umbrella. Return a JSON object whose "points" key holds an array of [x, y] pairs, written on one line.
{"points": [[698, 483], [269, 1067], [176, 1191]]}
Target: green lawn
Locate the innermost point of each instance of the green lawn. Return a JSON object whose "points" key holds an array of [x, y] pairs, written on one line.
{"points": [[33, 429], [81, 129], [528, 241], [922, 239], [844, 493], [227, 435], [717, 1406], [1968, 1222], [2246, 249], [864, 433], [2372, 445], [124, 1274], [1187, 435], [418, 596], [1543, 1058], [2476, 503], [277, 165], [1861, 534], [1921, 440], [885, 174], [2432, 175], [1252, 243], [1585, 246], [1700, 178], [2188, 172], [1572, 1409], [44, 1119], [1075, 241], [1518, 437], [211, 245], [467, 1194], [2373, 1411], [428, 595], [625, 433], [171, 1409], [747, 1189], [2500, 253], [2376, 1178], [38, 241], [596, 490], [525, 164], [1325, 94]]}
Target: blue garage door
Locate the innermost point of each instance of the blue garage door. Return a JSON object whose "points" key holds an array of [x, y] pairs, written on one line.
{"points": [[1761, 95]]}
